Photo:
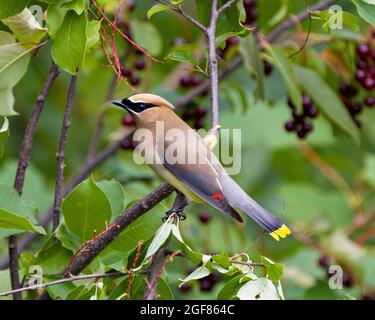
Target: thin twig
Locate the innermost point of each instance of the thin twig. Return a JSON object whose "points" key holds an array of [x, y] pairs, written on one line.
{"points": [[60, 156], [64, 280], [184, 14], [226, 6], [248, 263], [22, 167]]}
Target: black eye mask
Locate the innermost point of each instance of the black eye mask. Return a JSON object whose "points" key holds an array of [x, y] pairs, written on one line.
{"points": [[137, 107]]}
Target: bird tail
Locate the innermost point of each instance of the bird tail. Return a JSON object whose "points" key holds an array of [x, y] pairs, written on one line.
{"points": [[238, 198], [273, 225]]}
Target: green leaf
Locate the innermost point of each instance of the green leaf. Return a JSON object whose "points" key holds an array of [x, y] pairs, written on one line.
{"points": [[55, 18], [163, 290], [86, 210], [250, 51], [222, 259], [229, 21], [160, 238], [198, 273], [260, 289], [25, 27], [67, 238], [203, 11], [114, 193], [77, 5], [184, 56], [230, 289], [274, 270], [92, 33], [14, 61], [327, 100], [156, 9], [147, 36], [4, 133], [10, 8], [141, 255], [53, 257], [288, 73], [69, 45], [369, 172], [366, 11], [17, 212], [349, 21]]}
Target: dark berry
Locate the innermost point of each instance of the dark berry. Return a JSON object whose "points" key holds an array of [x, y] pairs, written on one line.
{"points": [[134, 80], [355, 108], [199, 124], [205, 284], [312, 112], [127, 144], [298, 118], [360, 75], [232, 41], [307, 102], [195, 81], [204, 217], [214, 278], [368, 83], [251, 16], [126, 72], [307, 127], [249, 3], [185, 288], [347, 281], [200, 112], [362, 64], [267, 67], [187, 115], [290, 126], [323, 262], [347, 90], [185, 81], [128, 121], [369, 101], [363, 50], [301, 134], [140, 64]]}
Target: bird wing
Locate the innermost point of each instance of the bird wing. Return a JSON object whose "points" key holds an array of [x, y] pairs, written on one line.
{"points": [[203, 179]]}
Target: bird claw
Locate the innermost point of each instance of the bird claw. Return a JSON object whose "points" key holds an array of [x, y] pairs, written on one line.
{"points": [[179, 212]]}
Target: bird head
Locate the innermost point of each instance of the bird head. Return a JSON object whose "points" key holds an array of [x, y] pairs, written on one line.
{"points": [[145, 106]]}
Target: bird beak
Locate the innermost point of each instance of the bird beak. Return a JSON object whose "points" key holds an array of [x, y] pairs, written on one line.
{"points": [[119, 104]]}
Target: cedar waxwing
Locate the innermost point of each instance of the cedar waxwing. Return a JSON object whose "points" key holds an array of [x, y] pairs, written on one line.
{"points": [[205, 179]]}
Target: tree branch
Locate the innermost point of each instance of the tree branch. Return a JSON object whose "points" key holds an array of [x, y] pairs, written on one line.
{"points": [[60, 156], [94, 247], [226, 6], [64, 280], [184, 14], [22, 167]]}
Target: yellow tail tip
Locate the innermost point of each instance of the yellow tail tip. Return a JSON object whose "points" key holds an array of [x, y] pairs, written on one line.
{"points": [[282, 232]]}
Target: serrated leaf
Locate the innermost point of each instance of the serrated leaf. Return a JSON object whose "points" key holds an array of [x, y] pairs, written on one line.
{"points": [[366, 11], [69, 45], [92, 33], [147, 36], [25, 27], [10, 8], [156, 9], [198, 273], [55, 18], [4, 133], [288, 73], [115, 195], [14, 61], [230, 289], [86, 210], [260, 289], [160, 238], [77, 5], [16, 212], [327, 101], [163, 290]]}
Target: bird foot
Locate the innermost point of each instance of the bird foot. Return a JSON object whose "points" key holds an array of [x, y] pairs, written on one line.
{"points": [[179, 212]]}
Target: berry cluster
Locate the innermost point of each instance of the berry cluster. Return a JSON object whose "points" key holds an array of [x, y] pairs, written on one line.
{"points": [[348, 93], [365, 73], [130, 74], [190, 81], [251, 12], [300, 121], [195, 114], [325, 263]]}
